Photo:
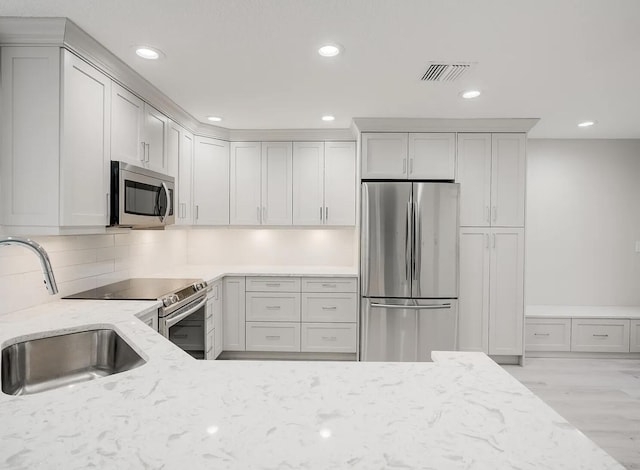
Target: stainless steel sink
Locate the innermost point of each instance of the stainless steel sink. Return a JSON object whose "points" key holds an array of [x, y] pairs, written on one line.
{"points": [[41, 364]]}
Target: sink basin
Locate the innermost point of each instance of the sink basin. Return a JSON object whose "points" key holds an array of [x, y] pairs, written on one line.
{"points": [[42, 364]]}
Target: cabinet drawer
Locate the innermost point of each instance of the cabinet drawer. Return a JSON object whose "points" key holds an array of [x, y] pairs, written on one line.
{"points": [[268, 336], [327, 284], [273, 284], [599, 335], [635, 336], [329, 307], [329, 337], [276, 306], [549, 334]]}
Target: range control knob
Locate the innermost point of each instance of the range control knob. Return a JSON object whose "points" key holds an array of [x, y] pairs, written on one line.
{"points": [[175, 299], [200, 285], [166, 301]]}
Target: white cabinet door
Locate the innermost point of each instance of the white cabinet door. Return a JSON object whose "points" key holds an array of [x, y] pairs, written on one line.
{"points": [[474, 176], [384, 155], [30, 103], [211, 181], [506, 305], [155, 132], [233, 305], [84, 147], [432, 156], [308, 183], [508, 163], [277, 178], [340, 183], [174, 132], [245, 180], [127, 124], [473, 305], [184, 207]]}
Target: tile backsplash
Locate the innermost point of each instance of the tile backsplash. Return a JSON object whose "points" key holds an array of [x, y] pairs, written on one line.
{"points": [[85, 261]]}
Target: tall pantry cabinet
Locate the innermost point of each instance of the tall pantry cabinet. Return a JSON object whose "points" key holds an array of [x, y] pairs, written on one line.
{"points": [[491, 173]]}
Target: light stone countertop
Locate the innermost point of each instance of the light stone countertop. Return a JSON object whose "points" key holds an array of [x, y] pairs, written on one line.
{"points": [[460, 412]]}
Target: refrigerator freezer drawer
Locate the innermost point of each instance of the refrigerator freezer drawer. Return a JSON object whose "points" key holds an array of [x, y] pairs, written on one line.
{"points": [[407, 330]]}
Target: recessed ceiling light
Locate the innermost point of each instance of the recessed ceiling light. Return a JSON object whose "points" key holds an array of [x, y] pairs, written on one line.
{"points": [[470, 94], [147, 52], [214, 118], [586, 124], [329, 50], [328, 118]]}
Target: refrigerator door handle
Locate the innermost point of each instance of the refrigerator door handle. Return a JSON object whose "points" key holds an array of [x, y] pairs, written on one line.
{"points": [[411, 307], [408, 242], [364, 275], [415, 246]]}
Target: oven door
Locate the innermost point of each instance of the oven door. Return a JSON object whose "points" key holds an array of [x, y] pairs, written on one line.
{"points": [[185, 327], [145, 198]]}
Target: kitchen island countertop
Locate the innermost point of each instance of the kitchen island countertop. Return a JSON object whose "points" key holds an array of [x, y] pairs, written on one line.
{"points": [[461, 411]]}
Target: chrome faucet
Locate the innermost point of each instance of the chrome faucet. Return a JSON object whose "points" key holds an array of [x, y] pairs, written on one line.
{"points": [[47, 270]]}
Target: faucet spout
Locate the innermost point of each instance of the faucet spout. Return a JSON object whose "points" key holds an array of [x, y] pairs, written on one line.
{"points": [[47, 270]]}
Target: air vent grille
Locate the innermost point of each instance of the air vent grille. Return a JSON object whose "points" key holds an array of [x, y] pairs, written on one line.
{"points": [[439, 72]]}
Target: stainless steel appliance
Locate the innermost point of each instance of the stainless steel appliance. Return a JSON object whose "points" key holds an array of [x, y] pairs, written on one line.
{"points": [[409, 269], [180, 319], [140, 198]]}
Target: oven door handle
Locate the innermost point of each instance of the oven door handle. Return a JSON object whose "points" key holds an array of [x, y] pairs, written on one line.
{"points": [[172, 320], [166, 213]]}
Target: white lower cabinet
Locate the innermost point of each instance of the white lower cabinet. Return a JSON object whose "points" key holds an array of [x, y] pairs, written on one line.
{"points": [[213, 322], [599, 335], [329, 337], [233, 323], [333, 307], [273, 336], [491, 290], [634, 336], [273, 306], [552, 334], [150, 319]]}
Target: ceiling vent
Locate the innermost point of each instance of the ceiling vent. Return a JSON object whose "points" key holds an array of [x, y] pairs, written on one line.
{"points": [[440, 72]]}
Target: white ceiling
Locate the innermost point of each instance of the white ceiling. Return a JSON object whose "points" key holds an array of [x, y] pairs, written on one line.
{"points": [[254, 62]]}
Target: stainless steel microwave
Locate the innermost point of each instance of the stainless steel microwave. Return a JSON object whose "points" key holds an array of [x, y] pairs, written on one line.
{"points": [[140, 198]]}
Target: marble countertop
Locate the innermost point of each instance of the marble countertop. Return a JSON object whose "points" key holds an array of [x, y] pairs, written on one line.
{"points": [[460, 412], [213, 272], [582, 311]]}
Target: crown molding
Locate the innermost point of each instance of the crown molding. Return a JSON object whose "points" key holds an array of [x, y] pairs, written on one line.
{"points": [[443, 125], [273, 135]]}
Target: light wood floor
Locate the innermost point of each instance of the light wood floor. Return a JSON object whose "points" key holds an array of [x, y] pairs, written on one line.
{"points": [[601, 397]]}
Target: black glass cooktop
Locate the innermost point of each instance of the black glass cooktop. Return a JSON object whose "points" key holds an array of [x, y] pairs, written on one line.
{"points": [[135, 289]]}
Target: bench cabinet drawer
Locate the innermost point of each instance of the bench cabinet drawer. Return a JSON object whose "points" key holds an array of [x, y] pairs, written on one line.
{"points": [[552, 334], [276, 336], [329, 284], [329, 337], [599, 335], [329, 307], [272, 306], [635, 336], [273, 284]]}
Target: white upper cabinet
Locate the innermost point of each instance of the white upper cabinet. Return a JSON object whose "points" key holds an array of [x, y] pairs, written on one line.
{"points": [[211, 181], [308, 183], [432, 156], [508, 170], [277, 174], [245, 179], [84, 147], [180, 163], [384, 155], [127, 126], [54, 142], [340, 183], [474, 176], [422, 155], [154, 138]]}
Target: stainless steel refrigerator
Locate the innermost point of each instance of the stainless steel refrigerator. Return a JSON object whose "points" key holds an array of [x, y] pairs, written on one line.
{"points": [[409, 270]]}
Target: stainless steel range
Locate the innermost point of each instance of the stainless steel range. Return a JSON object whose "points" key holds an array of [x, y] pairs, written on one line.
{"points": [[181, 317]]}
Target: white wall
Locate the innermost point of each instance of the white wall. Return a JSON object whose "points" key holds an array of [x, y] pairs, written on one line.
{"points": [[84, 262], [279, 247], [583, 220]]}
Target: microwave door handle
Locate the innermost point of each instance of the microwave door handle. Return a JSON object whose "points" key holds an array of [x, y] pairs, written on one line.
{"points": [[166, 212], [178, 318]]}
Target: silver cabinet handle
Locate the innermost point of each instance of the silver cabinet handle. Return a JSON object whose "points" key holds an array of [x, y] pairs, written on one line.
{"points": [[197, 212], [410, 165], [600, 336], [320, 213], [328, 285], [329, 338], [108, 210], [274, 337], [330, 308], [272, 284], [487, 214], [258, 214], [148, 153], [495, 213], [326, 214], [541, 334], [273, 307], [411, 307], [144, 148]]}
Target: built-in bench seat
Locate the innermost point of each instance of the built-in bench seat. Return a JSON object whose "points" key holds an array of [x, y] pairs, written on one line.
{"points": [[551, 329]]}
